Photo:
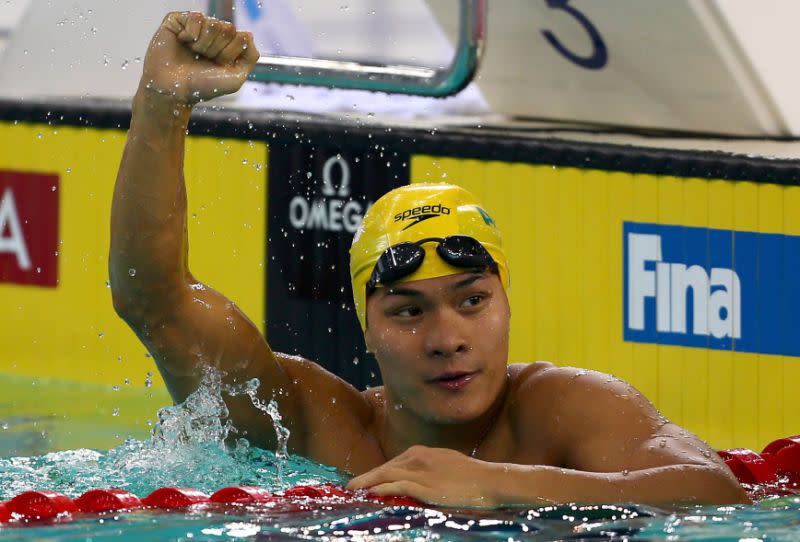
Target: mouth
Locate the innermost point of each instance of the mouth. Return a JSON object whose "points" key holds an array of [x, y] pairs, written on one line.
{"points": [[453, 381]]}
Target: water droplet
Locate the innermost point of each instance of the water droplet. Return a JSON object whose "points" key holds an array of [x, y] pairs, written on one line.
{"points": [[101, 334], [132, 272], [115, 412], [124, 65], [115, 387]]}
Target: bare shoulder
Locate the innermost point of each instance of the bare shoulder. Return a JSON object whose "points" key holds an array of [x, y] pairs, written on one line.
{"points": [[569, 401], [543, 381]]}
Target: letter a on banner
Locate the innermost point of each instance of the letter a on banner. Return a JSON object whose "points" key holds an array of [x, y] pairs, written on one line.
{"points": [[12, 242], [29, 228]]}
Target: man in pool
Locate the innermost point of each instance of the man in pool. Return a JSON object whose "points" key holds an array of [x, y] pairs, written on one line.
{"points": [[453, 424]]}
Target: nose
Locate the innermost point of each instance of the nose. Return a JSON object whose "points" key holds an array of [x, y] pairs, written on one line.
{"points": [[445, 334]]}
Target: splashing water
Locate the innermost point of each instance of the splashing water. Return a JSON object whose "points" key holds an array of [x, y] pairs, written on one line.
{"points": [[187, 447], [250, 388]]}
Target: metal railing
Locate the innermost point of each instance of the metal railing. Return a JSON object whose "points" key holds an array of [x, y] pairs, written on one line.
{"points": [[416, 80]]}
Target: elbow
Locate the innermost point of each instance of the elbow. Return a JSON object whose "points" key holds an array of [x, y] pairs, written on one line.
{"points": [[721, 487], [129, 303], [126, 306]]}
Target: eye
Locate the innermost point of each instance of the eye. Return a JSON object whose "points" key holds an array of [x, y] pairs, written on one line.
{"points": [[407, 312], [473, 300]]}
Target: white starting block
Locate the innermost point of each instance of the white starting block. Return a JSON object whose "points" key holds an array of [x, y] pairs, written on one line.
{"points": [[714, 66], [710, 66]]}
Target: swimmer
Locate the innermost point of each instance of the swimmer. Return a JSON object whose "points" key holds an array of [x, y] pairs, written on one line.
{"points": [[454, 424]]}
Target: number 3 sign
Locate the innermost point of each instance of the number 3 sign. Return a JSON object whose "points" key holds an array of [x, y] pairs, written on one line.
{"points": [[599, 57]]}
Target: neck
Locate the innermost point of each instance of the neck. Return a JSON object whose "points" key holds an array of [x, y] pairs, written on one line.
{"points": [[402, 428]]}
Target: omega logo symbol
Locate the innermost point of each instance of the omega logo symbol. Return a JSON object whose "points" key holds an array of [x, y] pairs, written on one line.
{"points": [[327, 180], [334, 211]]}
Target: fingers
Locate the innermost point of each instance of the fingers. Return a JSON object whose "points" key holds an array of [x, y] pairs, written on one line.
{"points": [[404, 488], [173, 22], [379, 475], [250, 55], [213, 38], [224, 32], [237, 47], [191, 24]]}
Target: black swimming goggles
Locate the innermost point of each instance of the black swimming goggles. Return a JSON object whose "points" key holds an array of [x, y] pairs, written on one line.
{"points": [[402, 259]]}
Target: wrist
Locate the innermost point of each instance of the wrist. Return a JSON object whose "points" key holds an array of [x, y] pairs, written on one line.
{"points": [[150, 101], [506, 484], [519, 485]]}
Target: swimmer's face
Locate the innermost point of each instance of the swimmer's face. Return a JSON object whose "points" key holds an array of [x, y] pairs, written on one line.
{"points": [[441, 344]]}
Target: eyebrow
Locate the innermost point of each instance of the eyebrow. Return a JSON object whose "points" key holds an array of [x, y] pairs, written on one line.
{"points": [[410, 292]]}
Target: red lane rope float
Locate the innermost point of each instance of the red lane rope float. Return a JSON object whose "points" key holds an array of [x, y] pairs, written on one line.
{"points": [[774, 472], [784, 456], [41, 505], [748, 466], [107, 500], [242, 495], [175, 497], [44, 505]]}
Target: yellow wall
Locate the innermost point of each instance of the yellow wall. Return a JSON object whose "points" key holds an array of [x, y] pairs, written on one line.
{"points": [[71, 332], [563, 232]]}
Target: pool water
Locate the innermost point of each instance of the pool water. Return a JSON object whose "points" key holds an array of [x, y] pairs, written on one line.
{"points": [[187, 448]]}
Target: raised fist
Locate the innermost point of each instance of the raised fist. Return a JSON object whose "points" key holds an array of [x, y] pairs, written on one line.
{"points": [[194, 58]]}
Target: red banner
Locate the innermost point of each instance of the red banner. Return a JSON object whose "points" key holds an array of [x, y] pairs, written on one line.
{"points": [[29, 228]]}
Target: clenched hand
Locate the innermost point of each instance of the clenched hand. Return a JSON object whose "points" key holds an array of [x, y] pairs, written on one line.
{"points": [[193, 58]]}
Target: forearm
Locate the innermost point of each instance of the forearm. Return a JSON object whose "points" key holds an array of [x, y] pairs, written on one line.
{"points": [[523, 484], [148, 217]]}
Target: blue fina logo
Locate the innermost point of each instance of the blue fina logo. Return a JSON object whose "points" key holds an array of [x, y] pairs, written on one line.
{"points": [[710, 288]]}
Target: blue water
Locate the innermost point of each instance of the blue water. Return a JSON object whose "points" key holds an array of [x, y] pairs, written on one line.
{"points": [[188, 448]]}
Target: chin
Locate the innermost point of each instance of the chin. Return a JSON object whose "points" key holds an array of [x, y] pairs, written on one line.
{"points": [[454, 412]]}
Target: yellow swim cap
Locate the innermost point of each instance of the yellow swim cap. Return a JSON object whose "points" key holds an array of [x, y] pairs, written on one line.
{"points": [[415, 212]]}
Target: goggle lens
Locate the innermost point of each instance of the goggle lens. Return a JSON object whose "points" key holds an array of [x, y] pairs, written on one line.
{"points": [[402, 259]]}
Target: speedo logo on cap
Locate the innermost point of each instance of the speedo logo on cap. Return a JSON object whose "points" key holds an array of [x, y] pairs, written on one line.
{"points": [[423, 212]]}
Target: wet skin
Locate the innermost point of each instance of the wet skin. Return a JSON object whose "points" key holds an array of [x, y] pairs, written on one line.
{"points": [[542, 432]]}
